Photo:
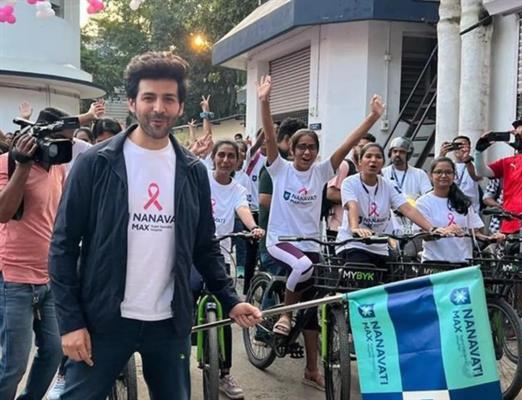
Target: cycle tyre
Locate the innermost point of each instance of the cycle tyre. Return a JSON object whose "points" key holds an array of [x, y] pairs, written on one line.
{"points": [[512, 387], [337, 366], [256, 293], [211, 360], [126, 385]]}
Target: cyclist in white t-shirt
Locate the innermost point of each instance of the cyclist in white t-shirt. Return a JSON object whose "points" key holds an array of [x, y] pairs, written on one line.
{"points": [[228, 198], [447, 206], [297, 195], [368, 199]]}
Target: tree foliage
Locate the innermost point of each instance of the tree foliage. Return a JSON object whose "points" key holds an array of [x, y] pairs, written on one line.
{"points": [[113, 37]]}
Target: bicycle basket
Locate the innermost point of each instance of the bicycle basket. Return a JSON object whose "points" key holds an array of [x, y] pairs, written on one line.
{"points": [[348, 277], [406, 270], [507, 270]]}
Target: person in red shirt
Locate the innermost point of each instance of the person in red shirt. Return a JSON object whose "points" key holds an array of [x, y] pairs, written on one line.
{"points": [[509, 169]]}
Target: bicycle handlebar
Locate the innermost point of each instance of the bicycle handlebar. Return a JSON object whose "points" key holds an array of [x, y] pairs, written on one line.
{"points": [[502, 213], [239, 235], [365, 240]]}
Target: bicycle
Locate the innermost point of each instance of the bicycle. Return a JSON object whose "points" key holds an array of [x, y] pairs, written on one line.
{"points": [[332, 276], [210, 353], [506, 328]]}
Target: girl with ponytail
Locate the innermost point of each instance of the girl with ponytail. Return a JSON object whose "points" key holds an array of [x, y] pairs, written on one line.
{"points": [[447, 207]]}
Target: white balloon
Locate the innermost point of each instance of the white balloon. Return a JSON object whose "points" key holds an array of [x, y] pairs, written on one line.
{"points": [[43, 15], [43, 5], [134, 5]]}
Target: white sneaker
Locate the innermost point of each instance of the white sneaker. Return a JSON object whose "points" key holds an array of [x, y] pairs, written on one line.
{"points": [[57, 388], [230, 387]]}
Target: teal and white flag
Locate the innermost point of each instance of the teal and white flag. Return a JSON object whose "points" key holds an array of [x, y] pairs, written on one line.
{"points": [[426, 338]]}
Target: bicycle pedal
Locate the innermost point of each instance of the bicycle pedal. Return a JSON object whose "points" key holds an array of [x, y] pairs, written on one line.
{"points": [[296, 351]]}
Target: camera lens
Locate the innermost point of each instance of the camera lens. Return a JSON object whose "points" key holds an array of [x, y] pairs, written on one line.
{"points": [[53, 150]]}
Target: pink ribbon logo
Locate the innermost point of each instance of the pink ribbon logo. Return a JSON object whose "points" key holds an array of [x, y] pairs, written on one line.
{"points": [[154, 192], [213, 203], [373, 210], [451, 219]]}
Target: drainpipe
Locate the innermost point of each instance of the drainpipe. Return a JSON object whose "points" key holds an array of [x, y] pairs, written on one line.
{"points": [[448, 75], [475, 69]]}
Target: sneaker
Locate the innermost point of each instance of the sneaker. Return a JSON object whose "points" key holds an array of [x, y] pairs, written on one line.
{"points": [[57, 388], [230, 387]]}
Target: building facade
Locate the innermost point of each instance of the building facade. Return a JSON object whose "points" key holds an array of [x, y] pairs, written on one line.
{"points": [[40, 62]]}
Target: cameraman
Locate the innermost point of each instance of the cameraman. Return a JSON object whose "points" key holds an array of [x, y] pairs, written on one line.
{"points": [[509, 169], [26, 302], [466, 176]]}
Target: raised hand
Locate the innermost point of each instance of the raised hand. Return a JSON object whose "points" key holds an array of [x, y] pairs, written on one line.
{"points": [[97, 109], [205, 106], [192, 123], [264, 87], [26, 110], [377, 106]]}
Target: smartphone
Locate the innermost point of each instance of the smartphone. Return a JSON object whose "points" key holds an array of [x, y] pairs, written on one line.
{"points": [[500, 136], [454, 146]]}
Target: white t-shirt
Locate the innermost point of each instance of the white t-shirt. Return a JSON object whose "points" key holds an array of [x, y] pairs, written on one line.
{"points": [[226, 199], [257, 160], [468, 186], [375, 204], [412, 183], [437, 211], [149, 284], [79, 146], [244, 180], [207, 162], [296, 201]]}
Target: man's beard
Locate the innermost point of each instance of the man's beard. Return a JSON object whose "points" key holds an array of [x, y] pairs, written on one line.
{"points": [[156, 133], [398, 162]]}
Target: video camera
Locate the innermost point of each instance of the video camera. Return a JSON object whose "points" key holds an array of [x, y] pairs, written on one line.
{"points": [[50, 151]]}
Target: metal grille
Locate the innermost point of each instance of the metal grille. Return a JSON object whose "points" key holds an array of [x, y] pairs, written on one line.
{"points": [[291, 82], [519, 79]]}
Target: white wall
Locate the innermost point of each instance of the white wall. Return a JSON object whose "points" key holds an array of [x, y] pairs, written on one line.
{"points": [[55, 40], [347, 67], [503, 80]]}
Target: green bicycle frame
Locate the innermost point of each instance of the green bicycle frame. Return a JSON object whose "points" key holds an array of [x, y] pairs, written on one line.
{"points": [[324, 332], [202, 304]]}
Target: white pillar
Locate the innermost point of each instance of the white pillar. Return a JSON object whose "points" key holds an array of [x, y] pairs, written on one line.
{"points": [[448, 75], [475, 72]]}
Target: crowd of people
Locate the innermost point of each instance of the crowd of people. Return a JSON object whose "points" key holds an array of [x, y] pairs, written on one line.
{"points": [[105, 255]]}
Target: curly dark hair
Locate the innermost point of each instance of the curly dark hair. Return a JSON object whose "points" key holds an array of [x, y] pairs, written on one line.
{"points": [[156, 65]]}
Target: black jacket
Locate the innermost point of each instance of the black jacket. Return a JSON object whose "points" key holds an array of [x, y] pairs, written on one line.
{"points": [[94, 211]]}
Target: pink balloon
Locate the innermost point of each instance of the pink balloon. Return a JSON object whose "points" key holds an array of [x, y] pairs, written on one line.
{"points": [[32, 2], [11, 19], [9, 9], [91, 9], [3, 18]]}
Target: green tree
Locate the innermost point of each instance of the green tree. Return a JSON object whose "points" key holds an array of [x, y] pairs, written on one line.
{"points": [[113, 37]]}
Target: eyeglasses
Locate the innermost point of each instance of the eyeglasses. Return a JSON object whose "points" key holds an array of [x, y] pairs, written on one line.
{"points": [[303, 147], [447, 172]]}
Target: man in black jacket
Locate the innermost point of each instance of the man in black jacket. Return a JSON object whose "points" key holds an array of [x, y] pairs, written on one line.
{"points": [[140, 206]]}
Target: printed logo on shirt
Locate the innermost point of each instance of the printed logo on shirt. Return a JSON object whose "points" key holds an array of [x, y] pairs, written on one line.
{"points": [[451, 219], [216, 220], [302, 197], [254, 178], [152, 220]]}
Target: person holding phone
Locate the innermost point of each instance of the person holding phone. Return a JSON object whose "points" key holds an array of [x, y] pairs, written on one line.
{"points": [[466, 176], [509, 169]]}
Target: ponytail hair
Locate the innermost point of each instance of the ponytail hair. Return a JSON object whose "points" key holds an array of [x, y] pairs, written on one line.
{"points": [[457, 200]]}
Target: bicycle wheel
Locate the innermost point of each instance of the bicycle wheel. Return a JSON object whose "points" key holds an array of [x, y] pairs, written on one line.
{"points": [[506, 330], [337, 365], [211, 360], [126, 385], [258, 339]]}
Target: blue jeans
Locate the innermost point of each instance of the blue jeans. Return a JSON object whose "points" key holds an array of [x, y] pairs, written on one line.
{"points": [[18, 320], [165, 358]]}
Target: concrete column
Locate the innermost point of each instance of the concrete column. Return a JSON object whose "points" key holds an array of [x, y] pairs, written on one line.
{"points": [[475, 72], [448, 76]]}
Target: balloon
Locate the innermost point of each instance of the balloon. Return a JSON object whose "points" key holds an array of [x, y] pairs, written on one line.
{"points": [[11, 19], [32, 2]]}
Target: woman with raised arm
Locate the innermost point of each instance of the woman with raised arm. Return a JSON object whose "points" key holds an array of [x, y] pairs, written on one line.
{"points": [[447, 206], [368, 200], [296, 199]]}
